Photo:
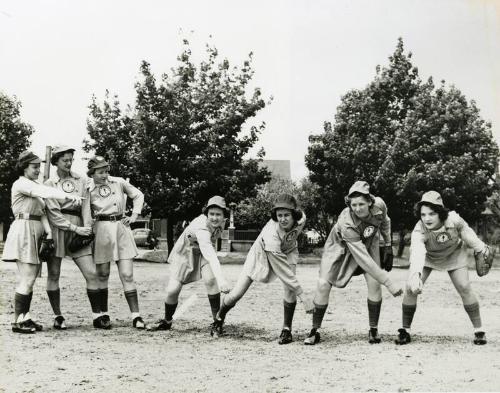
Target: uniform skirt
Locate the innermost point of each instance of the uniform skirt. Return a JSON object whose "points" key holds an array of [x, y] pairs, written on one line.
{"points": [[187, 267], [22, 242], [457, 260], [113, 241], [62, 239]]}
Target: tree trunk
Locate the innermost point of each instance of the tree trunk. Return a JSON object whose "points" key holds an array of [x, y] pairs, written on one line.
{"points": [[401, 245], [170, 234]]}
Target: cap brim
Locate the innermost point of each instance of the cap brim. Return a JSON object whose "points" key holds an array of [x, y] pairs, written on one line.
{"points": [[36, 161], [100, 165]]}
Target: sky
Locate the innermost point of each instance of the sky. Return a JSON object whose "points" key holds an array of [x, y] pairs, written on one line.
{"points": [[54, 55]]}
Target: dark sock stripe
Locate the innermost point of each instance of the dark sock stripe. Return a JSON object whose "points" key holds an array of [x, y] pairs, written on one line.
{"points": [[214, 303], [132, 300], [21, 304], [408, 313], [103, 296], [474, 314], [55, 300], [288, 311], [95, 300], [318, 314], [374, 312], [169, 311]]}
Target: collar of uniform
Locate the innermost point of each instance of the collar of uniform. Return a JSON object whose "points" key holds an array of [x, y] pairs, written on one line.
{"points": [[72, 174], [91, 183]]}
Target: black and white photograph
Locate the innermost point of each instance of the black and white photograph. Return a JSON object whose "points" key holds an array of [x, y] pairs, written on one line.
{"points": [[235, 196]]}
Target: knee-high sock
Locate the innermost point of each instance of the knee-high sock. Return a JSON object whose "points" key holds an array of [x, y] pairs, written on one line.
{"points": [[21, 305], [408, 313], [103, 296], [474, 314], [132, 300], [224, 309], [95, 300], [289, 309], [214, 303], [169, 311], [374, 312], [318, 314], [55, 300]]}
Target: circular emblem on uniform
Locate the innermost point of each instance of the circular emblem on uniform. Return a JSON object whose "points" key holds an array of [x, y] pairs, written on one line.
{"points": [[443, 237], [68, 186], [368, 231], [290, 236], [104, 191]]}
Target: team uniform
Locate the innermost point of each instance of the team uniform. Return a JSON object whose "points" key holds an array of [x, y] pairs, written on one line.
{"points": [[444, 249], [353, 248], [274, 254]]}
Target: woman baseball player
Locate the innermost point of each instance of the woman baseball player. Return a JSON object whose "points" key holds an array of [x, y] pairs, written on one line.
{"points": [[114, 242], [439, 241], [353, 248], [66, 221], [274, 254], [194, 258], [23, 240]]}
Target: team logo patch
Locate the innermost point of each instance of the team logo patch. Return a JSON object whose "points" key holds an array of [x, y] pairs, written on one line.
{"points": [[68, 186], [368, 231], [443, 237], [291, 236], [104, 191]]}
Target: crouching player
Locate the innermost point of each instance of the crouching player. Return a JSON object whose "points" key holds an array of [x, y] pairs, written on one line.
{"points": [[194, 258], [274, 254], [352, 248], [439, 241]]}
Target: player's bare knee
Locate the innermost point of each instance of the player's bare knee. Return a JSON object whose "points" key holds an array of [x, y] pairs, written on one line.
{"points": [[211, 283], [464, 289], [323, 287]]}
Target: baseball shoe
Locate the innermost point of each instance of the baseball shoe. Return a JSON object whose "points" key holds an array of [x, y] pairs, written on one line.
{"points": [[20, 327], [106, 322], [99, 323], [33, 324], [403, 337], [313, 337], [161, 324], [138, 323], [285, 337], [59, 323], [480, 338], [373, 336], [217, 328]]}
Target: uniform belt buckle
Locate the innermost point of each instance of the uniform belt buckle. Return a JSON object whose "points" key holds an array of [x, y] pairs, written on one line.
{"points": [[113, 218], [24, 216]]}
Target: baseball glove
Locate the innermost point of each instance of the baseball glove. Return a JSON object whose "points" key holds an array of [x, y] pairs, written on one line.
{"points": [[77, 242], [484, 260], [386, 258], [46, 248]]}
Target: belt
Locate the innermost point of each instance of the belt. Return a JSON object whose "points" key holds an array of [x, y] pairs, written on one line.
{"points": [[116, 217], [27, 216], [71, 212]]}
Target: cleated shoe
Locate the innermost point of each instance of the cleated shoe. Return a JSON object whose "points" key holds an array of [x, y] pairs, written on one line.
{"points": [[313, 338], [216, 330], [480, 338], [161, 324], [285, 337], [59, 323], [138, 323], [98, 323], [20, 327], [373, 336], [106, 322], [33, 324], [403, 337]]}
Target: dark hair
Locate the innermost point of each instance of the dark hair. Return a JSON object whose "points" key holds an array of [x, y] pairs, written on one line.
{"points": [[90, 172], [296, 214], [367, 198], [207, 208], [440, 210], [20, 167], [55, 157]]}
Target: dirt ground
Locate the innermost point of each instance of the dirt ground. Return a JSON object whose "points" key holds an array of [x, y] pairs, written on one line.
{"points": [[187, 359]]}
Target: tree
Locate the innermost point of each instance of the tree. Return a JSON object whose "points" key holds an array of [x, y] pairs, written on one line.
{"points": [[405, 137], [185, 137], [14, 138]]}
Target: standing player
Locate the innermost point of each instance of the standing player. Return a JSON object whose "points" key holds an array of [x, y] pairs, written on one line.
{"points": [[194, 258], [274, 254], [114, 242], [66, 221], [353, 248], [439, 241], [23, 240]]}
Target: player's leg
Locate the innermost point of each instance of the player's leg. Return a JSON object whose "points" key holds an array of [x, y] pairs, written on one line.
{"points": [[321, 298], [26, 277], [174, 288], [102, 270], [88, 269], [289, 304], [408, 311], [460, 279], [374, 302], [126, 273], [53, 291], [213, 290]]}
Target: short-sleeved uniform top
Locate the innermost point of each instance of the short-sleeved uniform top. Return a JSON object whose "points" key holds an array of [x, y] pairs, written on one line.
{"points": [[113, 240], [274, 254], [64, 225], [354, 242], [444, 248], [194, 249], [27, 197]]}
